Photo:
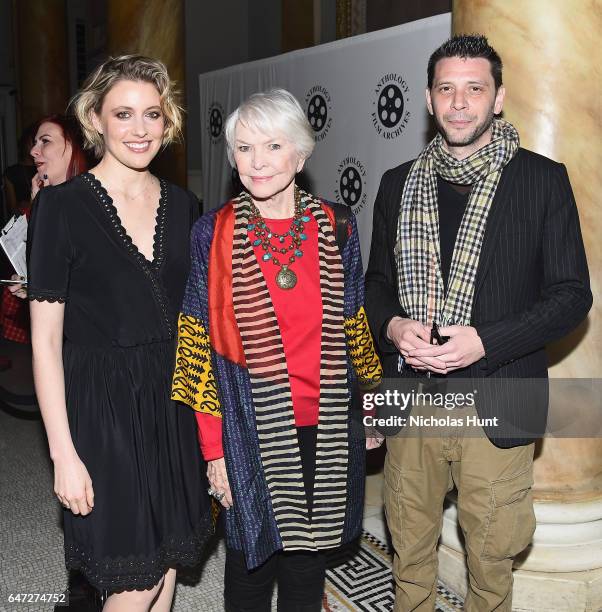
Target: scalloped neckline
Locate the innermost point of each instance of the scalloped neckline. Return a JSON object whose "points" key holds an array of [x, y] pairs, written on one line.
{"points": [[111, 210]]}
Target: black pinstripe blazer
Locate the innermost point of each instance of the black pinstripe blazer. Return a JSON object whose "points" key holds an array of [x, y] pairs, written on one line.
{"points": [[532, 283]]}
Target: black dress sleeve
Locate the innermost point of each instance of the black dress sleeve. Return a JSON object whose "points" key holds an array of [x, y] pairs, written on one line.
{"points": [[49, 251]]}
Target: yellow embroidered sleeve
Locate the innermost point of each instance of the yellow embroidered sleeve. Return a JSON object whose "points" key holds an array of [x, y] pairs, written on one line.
{"points": [[194, 380], [361, 350]]}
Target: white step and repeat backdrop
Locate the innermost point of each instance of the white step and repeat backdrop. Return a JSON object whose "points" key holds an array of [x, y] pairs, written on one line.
{"points": [[364, 97]]}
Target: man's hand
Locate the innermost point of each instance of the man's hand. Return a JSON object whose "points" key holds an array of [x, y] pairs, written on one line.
{"points": [[374, 438], [409, 335], [463, 348]]}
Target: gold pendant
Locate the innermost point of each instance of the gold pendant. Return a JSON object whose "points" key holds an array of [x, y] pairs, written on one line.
{"points": [[286, 279]]}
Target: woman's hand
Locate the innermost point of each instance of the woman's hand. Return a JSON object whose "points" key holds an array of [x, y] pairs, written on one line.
{"points": [[18, 289], [218, 480], [38, 182], [73, 485]]}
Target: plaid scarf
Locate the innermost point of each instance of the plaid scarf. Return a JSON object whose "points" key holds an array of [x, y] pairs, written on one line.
{"points": [[417, 251]]}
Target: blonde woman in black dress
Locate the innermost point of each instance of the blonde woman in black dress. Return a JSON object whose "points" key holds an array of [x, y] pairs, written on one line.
{"points": [[108, 261]]}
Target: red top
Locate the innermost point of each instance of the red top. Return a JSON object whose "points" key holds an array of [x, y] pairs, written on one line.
{"points": [[299, 314]]}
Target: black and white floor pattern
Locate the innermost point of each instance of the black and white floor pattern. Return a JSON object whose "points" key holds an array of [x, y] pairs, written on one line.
{"points": [[359, 578]]}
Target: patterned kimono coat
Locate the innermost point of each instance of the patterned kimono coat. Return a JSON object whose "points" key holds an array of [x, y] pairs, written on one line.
{"points": [[230, 363]]}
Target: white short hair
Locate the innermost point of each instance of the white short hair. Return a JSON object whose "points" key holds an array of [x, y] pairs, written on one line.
{"points": [[271, 112]]}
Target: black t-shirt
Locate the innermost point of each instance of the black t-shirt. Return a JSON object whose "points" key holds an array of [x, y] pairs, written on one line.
{"points": [[452, 201]]}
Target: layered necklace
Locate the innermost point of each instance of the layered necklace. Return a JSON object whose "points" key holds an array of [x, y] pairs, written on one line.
{"points": [[274, 244]]}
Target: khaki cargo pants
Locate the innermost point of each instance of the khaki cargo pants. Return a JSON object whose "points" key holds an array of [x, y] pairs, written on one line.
{"points": [[495, 512]]}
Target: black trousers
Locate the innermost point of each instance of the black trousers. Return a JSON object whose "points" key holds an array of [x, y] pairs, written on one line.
{"points": [[300, 575]]}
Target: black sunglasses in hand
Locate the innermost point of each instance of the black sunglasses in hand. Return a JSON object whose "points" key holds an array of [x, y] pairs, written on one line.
{"points": [[436, 337]]}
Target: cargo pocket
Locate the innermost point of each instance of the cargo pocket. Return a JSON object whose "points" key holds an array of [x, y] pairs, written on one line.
{"points": [[392, 497], [511, 518]]}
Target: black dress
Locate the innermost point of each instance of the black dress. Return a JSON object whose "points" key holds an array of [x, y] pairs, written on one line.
{"points": [[151, 509]]}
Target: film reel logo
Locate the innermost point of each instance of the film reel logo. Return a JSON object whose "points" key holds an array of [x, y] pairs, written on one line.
{"points": [[215, 122], [390, 114], [319, 111], [351, 184]]}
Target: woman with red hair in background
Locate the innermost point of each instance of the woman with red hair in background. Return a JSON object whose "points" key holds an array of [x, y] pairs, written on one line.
{"points": [[58, 156], [57, 152]]}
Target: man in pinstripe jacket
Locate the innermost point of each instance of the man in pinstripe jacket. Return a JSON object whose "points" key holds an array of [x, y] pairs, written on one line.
{"points": [[481, 238]]}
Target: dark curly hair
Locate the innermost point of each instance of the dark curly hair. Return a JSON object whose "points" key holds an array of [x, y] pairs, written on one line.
{"points": [[467, 46]]}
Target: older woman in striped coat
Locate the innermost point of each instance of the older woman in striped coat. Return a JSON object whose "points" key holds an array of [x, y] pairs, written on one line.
{"points": [[273, 338]]}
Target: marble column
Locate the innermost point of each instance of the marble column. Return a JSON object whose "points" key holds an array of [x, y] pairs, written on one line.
{"points": [[42, 61], [154, 28], [350, 18], [552, 74]]}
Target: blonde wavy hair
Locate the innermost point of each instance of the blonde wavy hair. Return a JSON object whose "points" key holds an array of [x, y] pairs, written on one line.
{"points": [[126, 68]]}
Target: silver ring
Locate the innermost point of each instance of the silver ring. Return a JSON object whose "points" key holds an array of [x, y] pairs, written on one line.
{"points": [[211, 491], [219, 495]]}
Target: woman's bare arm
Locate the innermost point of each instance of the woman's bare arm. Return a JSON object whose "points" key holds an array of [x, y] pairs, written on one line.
{"points": [[72, 483]]}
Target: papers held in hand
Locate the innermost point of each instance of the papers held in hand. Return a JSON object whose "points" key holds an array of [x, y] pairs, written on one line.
{"points": [[10, 281], [13, 240]]}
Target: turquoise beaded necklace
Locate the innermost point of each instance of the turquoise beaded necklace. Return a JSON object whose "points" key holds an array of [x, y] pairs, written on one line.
{"points": [[264, 237]]}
